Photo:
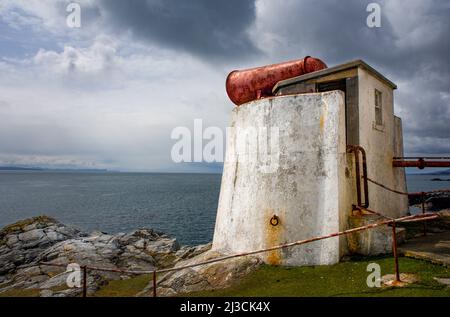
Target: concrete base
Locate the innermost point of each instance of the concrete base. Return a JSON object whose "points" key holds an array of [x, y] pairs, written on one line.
{"points": [[374, 241], [433, 247]]}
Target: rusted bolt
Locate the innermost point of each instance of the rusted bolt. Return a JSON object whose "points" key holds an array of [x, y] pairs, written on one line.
{"points": [[274, 221]]}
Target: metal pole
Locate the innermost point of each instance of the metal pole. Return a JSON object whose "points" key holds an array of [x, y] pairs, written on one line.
{"points": [[366, 183], [358, 177], [154, 283], [84, 280], [394, 249], [423, 211]]}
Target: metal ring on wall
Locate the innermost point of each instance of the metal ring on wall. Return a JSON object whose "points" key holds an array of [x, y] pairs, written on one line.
{"points": [[275, 220]]}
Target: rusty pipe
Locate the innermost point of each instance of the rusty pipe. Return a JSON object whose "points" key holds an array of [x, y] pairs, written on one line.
{"points": [[420, 163], [246, 85]]}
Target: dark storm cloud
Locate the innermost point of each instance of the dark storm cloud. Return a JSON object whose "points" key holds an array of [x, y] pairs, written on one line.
{"points": [[338, 30], [411, 49], [207, 28]]}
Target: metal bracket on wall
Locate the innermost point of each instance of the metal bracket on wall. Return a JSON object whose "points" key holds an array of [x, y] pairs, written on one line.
{"points": [[356, 150]]}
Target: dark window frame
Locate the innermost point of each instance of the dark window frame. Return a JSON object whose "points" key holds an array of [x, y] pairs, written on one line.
{"points": [[378, 107]]}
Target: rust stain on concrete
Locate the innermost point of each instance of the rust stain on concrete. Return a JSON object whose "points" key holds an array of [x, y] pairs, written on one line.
{"points": [[273, 237], [322, 122], [323, 117]]}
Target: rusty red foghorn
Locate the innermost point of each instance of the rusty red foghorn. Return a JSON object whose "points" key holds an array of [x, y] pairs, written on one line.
{"points": [[250, 84]]}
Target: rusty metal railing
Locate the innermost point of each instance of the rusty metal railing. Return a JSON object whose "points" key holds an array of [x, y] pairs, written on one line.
{"points": [[422, 217], [421, 194], [405, 193], [421, 162]]}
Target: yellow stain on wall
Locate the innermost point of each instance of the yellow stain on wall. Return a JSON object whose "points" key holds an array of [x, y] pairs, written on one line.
{"points": [[273, 238], [323, 116], [322, 122]]}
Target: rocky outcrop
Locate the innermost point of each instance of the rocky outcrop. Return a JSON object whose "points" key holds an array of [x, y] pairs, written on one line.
{"points": [[204, 277], [433, 201], [22, 242], [26, 244]]}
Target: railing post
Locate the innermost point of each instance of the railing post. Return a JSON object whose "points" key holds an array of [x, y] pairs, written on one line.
{"points": [[154, 283], [84, 280], [394, 250], [358, 177], [423, 211]]}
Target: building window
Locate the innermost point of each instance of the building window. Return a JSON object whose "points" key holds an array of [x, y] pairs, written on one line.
{"points": [[378, 107]]}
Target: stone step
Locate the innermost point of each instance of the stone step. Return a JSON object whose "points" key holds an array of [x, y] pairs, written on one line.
{"points": [[373, 241]]}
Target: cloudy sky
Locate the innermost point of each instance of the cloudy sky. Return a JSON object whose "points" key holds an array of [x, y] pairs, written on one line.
{"points": [[108, 94]]}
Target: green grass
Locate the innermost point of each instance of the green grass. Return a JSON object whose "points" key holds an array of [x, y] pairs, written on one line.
{"points": [[124, 288], [116, 288], [343, 279], [21, 293], [31, 292]]}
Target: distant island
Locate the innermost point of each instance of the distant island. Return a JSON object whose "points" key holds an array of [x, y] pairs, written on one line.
{"points": [[19, 168], [444, 172], [440, 180], [16, 168]]}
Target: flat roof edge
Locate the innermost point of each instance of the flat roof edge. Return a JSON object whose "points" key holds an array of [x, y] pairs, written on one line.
{"points": [[331, 70]]}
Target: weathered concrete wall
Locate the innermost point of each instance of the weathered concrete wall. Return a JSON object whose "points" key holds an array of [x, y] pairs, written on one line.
{"points": [[307, 189], [381, 143]]}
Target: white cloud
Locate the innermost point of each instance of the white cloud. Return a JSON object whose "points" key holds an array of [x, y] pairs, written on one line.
{"points": [[113, 109], [92, 60], [48, 15]]}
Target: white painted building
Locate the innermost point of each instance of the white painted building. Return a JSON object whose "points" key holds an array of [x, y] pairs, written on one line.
{"points": [[308, 186]]}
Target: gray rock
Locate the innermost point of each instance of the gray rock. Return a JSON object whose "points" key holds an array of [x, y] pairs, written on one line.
{"points": [[445, 281], [56, 281], [54, 236], [46, 293], [12, 240], [205, 277], [186, 252], [30, 271], [33, 235]]}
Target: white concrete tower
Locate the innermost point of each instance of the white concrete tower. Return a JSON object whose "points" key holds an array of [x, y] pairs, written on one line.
{"points": [[299, 185]]}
